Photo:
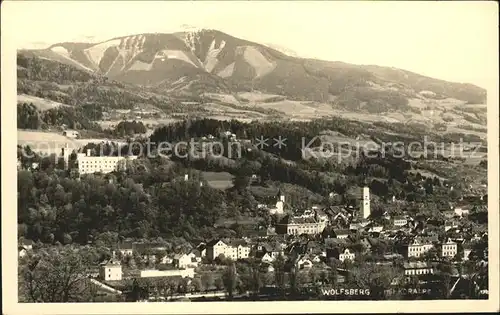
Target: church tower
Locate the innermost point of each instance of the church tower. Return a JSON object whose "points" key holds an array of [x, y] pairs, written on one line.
{"points": [[66, 154], [365, 206]]}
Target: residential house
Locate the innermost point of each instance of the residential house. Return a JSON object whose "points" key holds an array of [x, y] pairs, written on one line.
{"points": [[27, 244], [418, 247], [166, 260], [341, 253], [341, 234], [386, 215], [266, 258], [21, 251], [462, 211], [449, 248], [467, 250], [367, 244], [341, 218], [269, 251], [448, 214], [316, 258], [375, 229], [185, 261], [24, 247], [236, 249], [414, 268], [202, 248], [110, 270], [196, 254], [450, 224], [346, 255], [400, 221], [71, 134], [266, 267], [303, 262], [128, 248], [354, 226]]}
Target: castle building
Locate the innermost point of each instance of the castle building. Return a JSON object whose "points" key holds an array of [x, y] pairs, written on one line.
{"points": [[88, 164]]}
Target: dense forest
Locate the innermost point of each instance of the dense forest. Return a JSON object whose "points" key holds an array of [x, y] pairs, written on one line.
{"points": [[82, 117], [151, 198], [68, 85]]}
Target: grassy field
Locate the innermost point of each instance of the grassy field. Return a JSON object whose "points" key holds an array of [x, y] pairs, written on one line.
{"points": [[219, 180], [110, 124], [40, 103], [51, 142]]}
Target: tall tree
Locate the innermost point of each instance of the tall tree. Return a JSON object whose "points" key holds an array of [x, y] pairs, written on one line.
{"points": [[229, 278], [58, 274]]}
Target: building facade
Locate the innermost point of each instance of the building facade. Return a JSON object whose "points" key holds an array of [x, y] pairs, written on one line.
{"points": [[234, 250], [400, 221], [306, 224], [449, 248], [110, 270], [417, 248], [415, 268], [88, 164], [346, 255]]}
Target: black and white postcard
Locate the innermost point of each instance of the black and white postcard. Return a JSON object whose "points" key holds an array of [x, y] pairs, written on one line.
{"points": [[238, 157]]}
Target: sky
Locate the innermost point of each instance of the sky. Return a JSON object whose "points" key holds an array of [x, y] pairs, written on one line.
{"points": [[447, 40]]}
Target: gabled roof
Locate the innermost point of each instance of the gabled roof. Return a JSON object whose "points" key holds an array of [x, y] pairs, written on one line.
{"points": [[399, 217], [341, 232], [213, 242], [272, 246], [112, 261], [237, 242], [335, 242], [196, 252], [26, 242], [416, 265]]}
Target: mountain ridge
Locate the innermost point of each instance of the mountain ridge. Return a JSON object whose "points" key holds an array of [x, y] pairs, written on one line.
{"points": [[207, 60]]}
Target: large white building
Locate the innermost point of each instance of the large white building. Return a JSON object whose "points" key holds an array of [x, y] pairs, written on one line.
{"points": [[234, 250], [418, 247], [365, 207], [88, 164], [311, 222], [449, 248]]}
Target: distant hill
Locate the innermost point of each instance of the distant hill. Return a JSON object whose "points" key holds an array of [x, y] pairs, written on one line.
{"points": [[192, 63]]}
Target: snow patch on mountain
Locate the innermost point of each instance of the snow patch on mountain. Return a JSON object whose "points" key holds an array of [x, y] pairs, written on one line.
{"points": [[140, 66], [60, 50], [211, 59], [96, 52], [162, 55], [227, 71], [175, 54], [63, 52], [257, 60], [284, 50]]}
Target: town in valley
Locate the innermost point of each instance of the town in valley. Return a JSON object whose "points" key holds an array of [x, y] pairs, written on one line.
{"points": [[198, 166]]}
